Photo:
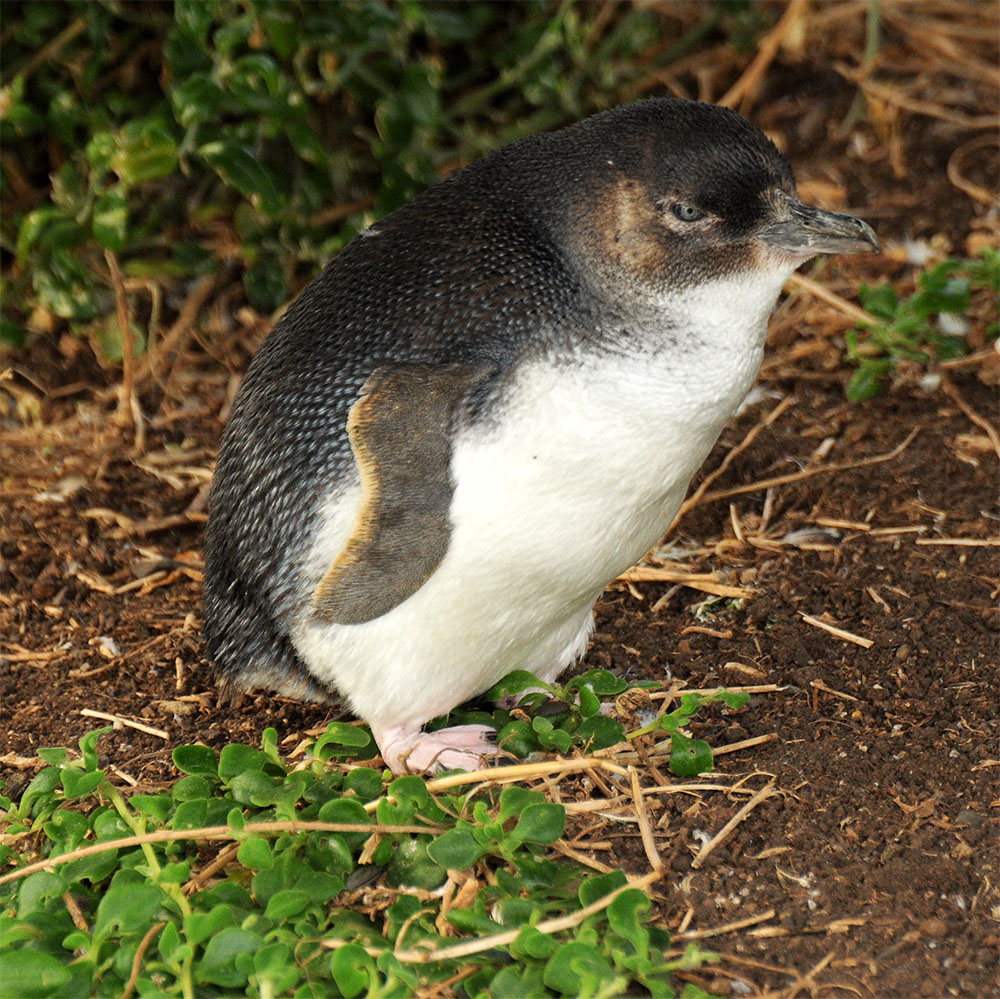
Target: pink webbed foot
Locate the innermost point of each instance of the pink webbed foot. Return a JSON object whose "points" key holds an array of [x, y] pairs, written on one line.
{"points": [[462, 747]]}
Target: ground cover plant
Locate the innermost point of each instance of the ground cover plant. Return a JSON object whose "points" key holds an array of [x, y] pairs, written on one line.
{"points": [[179, 171], [303, 836]]}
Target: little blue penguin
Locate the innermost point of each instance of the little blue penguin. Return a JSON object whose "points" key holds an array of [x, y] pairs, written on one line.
{"points": [[488, 406]]}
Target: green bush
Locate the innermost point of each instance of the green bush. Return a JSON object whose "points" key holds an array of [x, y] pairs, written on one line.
{"points": [[263, 134]]}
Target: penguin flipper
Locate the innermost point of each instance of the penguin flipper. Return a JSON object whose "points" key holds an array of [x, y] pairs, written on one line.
{"points": [[400, 430]]}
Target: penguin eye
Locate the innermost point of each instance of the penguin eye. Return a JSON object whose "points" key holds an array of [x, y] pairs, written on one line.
{"points": [[686, 213]]}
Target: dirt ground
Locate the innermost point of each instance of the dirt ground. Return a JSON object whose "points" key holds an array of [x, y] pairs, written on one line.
{"points": [[870, 866]]}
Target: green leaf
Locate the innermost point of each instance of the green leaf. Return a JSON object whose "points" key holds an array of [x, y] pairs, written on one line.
{"points": [[550, 736], [339, 739], [235, 819], [276, 964], [63, 285], [190, 814], [36, 890], [109, 337], [254, 788], [412, 866], [156, 806], [518, 982], [190, 789], [146, 151], [517, 737], [238, 759], [599, 732], [348, 811], [365, 782], [599, 885], [174, 874], [11, 333], [281, 25], [456, 850], [255, 853], [624, 918], [867, 380], [733, 700], [196, 99], [45, 229], [31, 974], [590, 703], [200, 761], [219, 964], [517, 682], [169, 941], [880, 301], [286, 904], [602, 682], [541, 823], [689, 757], [95, 868], [77, 783], [353, 970], [128, 907], [577, 968], [199, 926], [110, 220], [412, 795], [194, 18], [514, 800], [66, 828], [240, 169], [533, 943]]}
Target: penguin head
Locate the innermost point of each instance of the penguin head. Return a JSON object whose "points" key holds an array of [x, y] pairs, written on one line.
{"points": [[674, 193]]}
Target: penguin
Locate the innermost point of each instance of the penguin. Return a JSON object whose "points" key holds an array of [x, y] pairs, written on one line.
{"points": [[488, 406]]}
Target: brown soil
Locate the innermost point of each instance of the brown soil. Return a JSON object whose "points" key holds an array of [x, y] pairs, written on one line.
{"points": [[878, 853], [873, 868]]}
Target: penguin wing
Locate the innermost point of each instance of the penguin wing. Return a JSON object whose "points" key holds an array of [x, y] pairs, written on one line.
{"points": [[401, 431]]}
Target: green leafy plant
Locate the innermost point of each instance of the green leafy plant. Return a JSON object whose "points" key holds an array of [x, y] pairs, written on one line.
{"points": [[911, 329], [131, 911], [261, 135]]}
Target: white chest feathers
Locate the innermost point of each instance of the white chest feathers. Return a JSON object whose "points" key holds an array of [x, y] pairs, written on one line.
{"points": [[573, 482], [590, 460]]}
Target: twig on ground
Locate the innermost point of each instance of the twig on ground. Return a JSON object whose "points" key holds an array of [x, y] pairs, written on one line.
{"points": [[723, 834], [717, 931], [420, 955], [701, 581], [128, 403], [961, 542], [782, 480], [118, 721], [645, 830], [927, 108], [210, 833], [745, 89], [820, 685], [856, 313], [980, 421], [140, 953], [847, 636]]}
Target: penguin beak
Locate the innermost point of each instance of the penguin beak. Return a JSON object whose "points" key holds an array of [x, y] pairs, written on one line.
{"points": [[806, 231]]}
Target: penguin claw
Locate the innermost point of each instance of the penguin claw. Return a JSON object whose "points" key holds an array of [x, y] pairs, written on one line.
{"points": [[461, 747]]}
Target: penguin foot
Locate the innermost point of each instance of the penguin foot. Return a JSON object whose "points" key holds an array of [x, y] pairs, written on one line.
{"points": [[461, 747]]}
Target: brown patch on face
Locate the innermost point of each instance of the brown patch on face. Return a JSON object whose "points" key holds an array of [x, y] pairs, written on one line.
{"points": [[630, 229]]}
